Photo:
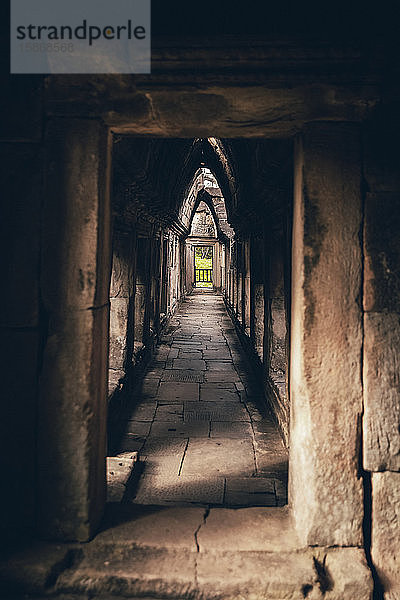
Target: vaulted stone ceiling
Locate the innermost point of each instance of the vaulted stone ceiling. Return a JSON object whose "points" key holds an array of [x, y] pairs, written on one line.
{"points": [[153, 176]]}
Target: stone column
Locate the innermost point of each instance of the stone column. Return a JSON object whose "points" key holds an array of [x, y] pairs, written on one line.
{"points": [[164, 275], [381, 424], [188, 266], [75, 269], [326, 489], [246, 286], [142, 299], [277, 333], [217, 265], [121, 309]]}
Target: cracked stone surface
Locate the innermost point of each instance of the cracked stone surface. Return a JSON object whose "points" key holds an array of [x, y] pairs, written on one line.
{"points": [[148, 552], [212, 443]]}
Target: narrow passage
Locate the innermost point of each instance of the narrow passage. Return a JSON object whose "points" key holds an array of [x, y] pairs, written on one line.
{"points": [[199, 421]]}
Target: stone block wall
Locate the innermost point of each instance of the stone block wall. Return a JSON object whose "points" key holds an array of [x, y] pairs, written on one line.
{"points": [[381, 373]]}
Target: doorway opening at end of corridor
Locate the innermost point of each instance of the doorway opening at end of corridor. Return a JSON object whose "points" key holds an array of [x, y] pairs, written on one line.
{"points": [[203, 265]]}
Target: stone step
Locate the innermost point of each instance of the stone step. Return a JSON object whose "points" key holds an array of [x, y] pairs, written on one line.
{"points": [[189, 554], [130, 571]]}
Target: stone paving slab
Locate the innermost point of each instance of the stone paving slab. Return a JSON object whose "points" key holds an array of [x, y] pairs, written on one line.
{"points": [[220, 457], [274, 529], [170, 392], [162, 490], [221, 376], [138, 428], [183, 376], [189, 364], [229, 429], [194, 355], [210, 393], [179, 428], [226, 368], [169, 412], [214, 411], [219, 385], [160, 455], [131, 443], [143, 412], [250, 491], [147, 526], [173, 353]]}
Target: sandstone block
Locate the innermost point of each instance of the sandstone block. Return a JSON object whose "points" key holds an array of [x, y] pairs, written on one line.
{"points": [[382, 252], [386, 531], [76, 228], [119, 308], [326, 401], [71, 420], [122, 275], [382, 393]]}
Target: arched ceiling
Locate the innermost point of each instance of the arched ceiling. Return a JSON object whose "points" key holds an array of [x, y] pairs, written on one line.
{"points": [[154, 177]]}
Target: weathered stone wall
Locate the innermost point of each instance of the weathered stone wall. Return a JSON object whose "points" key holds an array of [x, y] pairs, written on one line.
{"points": [[381, 303]]}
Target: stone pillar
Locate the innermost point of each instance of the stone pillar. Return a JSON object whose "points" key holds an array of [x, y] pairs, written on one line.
{"points": [[381, 424], [189, 266], [141, 292], [277, 333], [246, 287], [121, 310], [75, 268], [326, 489], [223, 269], [259, 319], [257, 294], [164, 275], [155, 281]]}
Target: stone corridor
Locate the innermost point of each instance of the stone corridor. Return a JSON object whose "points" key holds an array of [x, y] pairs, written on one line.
{"points": [[198, 420]]}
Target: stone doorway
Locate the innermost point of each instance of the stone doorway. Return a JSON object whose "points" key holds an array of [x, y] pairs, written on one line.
{"points": [[155, 267], [203, 267]]}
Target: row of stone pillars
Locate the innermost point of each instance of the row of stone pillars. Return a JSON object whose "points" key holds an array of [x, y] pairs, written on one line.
{"points": [[258, 295], [146, 284]]}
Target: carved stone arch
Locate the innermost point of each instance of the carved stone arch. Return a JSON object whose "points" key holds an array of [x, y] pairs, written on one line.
{"points": [[205, 197], [211, 154]]}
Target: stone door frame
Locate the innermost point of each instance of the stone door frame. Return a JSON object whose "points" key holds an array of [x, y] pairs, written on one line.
{"points": [[81, 148]]}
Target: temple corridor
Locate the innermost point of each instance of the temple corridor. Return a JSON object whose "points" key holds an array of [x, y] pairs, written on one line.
{"points": [[203, 432], [201, 323]]}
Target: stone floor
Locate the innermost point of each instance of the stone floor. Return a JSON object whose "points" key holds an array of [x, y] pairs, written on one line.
{"points": [[199, 422], [205, 523]]}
